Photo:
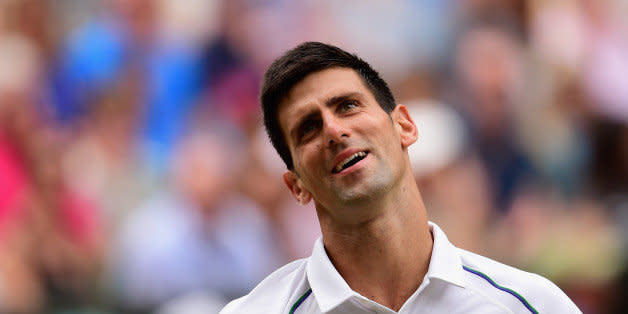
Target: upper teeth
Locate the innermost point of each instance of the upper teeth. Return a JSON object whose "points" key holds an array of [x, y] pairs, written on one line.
{"points": [[348, 159]]}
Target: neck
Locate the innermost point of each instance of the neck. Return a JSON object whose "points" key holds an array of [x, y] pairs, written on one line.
{"points": [[385, 257]]}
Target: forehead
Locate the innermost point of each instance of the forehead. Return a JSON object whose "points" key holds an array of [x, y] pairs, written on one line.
{"points": [[316, 88], [326, 83]]}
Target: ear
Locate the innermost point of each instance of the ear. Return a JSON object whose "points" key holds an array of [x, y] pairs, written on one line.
{"points": [[405, 126], [294, 184]]}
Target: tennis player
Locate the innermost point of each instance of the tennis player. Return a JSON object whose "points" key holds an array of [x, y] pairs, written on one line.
{"points": [[344, 140]]}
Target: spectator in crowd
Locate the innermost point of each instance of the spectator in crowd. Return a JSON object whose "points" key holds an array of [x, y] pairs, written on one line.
{"points": [[490, 72], [201, 235]]}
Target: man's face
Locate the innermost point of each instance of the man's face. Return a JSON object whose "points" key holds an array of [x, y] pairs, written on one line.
{"points": [[346, 149]]}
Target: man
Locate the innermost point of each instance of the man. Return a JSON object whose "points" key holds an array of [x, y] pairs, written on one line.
{"points": [[344, 140]]}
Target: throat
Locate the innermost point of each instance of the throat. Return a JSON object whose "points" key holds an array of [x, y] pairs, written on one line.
{"points": [[390, 286], [386, 262]]}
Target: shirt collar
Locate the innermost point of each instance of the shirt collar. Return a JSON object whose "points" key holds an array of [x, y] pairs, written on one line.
{"points": [[330, 289], [445, 263]]}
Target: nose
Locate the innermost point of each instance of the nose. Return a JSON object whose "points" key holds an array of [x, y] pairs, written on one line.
{"points": [[334, 130]]}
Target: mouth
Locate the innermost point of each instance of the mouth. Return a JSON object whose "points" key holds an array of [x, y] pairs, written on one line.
{"points": [[349, 161]]}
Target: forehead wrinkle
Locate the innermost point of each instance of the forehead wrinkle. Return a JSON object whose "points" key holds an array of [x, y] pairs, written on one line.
{"points": [[332, 100]]}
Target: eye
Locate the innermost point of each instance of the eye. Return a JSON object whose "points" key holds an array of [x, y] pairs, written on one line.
{"points": [[307, 128], [347, 105]]}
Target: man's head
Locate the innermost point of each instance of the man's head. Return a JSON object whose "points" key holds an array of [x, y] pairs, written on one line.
{"points": [[337, 127], [305, 59]]}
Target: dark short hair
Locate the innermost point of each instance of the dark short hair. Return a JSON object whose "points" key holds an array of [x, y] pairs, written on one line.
{"points": [[291, 68]]}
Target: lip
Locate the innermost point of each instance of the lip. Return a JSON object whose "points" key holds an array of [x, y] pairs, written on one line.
{"points": [[342, 156]]}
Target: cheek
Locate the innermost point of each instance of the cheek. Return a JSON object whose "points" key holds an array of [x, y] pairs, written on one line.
{"points": [[383, 131], [311, 163]]}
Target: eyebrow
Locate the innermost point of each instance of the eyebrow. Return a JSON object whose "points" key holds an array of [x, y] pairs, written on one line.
{"points": [[330, 102]]}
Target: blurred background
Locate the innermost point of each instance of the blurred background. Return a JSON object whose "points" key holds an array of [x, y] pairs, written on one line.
{"points": [[135, 176]]}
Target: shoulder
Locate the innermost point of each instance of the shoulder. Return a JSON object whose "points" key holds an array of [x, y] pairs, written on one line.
{"points": [[529, 292], [272, 294]]}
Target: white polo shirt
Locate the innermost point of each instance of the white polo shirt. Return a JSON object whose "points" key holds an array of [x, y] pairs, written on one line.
{"points": [[457, 281]]}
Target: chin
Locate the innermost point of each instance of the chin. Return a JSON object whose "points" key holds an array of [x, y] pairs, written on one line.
{"points": [[353, 198], [363, 192], [363, 186]]}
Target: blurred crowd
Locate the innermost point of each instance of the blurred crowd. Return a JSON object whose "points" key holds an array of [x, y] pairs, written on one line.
{"points": [[135, 176]]}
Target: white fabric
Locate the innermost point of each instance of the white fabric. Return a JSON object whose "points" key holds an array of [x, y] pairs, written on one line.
{"points": [[446, 288]]}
